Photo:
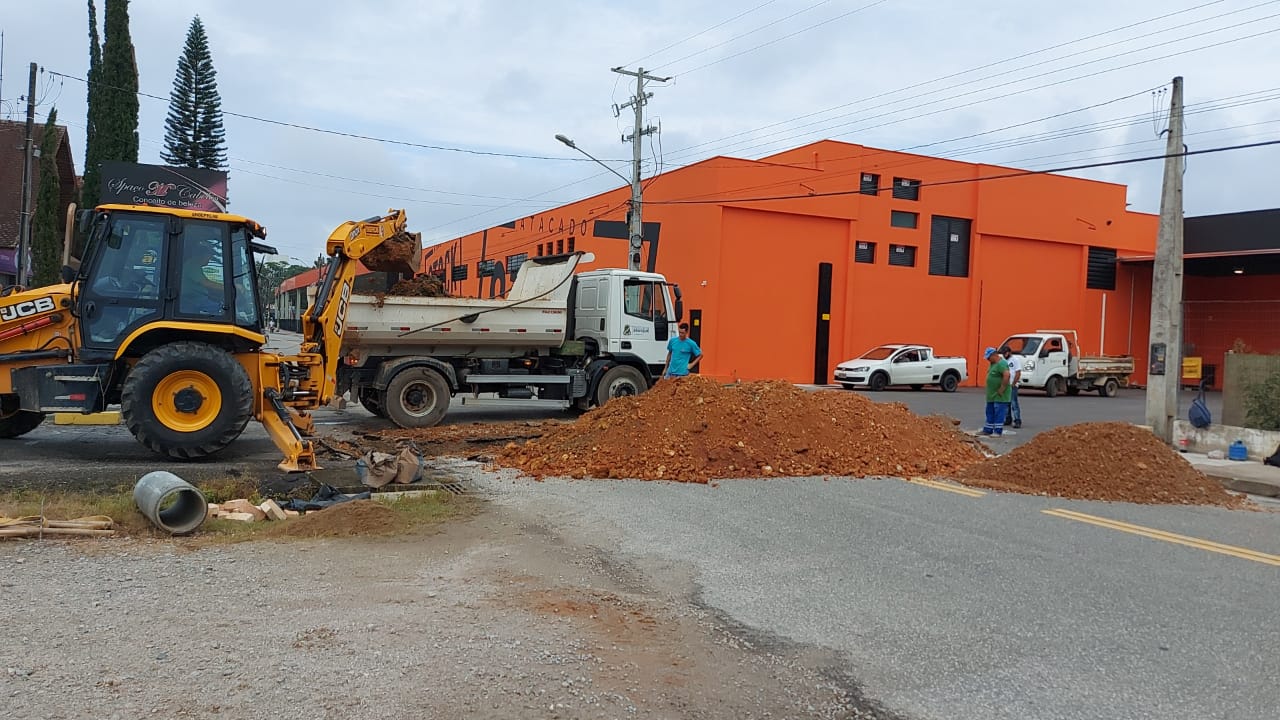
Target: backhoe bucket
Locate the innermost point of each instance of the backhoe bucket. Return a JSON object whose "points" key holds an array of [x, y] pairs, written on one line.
{"points": [[400, 253]]}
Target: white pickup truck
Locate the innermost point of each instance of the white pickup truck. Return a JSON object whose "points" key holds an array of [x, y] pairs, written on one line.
{"points": [[1052, 362], [912, 365]]}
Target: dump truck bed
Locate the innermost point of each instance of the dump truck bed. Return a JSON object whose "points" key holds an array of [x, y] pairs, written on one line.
{"points": [[1110, 365], [534, 315]]}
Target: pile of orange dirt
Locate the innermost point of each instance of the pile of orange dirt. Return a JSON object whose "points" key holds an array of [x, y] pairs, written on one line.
{"points": [[348, 519], [695, 430], [1099, 461], [420, 286], [398, 253]]}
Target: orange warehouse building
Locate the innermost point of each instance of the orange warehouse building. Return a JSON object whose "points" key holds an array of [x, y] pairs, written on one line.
{"points": [[795, 262]]}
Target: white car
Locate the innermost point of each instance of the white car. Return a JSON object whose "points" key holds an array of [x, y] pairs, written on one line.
{"points": [[913, 365]]}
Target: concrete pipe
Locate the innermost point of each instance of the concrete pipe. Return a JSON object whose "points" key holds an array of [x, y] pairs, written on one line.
{"points": [[171, 503]]}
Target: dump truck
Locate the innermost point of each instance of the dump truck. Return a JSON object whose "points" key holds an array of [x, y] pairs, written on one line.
{"points": [[1053, 362], [159, 314], [561, 335]]}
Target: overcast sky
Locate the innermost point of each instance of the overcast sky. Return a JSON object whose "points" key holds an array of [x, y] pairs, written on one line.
{"points": [[750, 79]]}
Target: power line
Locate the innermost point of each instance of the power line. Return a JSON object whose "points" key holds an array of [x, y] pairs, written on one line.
{"points": [[932, 103], [961, 181], [948, 77], [745, 34], [785, 37], [356, 136], [700, 33]]}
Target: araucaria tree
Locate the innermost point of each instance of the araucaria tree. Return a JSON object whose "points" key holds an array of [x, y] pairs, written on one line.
{"points": [[193, 135]]}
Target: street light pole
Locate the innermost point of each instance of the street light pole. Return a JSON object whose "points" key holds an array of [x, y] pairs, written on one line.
{"points": [[633, 252]]}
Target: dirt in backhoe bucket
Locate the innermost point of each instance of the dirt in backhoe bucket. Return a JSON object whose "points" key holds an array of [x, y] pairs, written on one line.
{"points": [[1100, 461], [398, 253], [695, 429], [420, 286]]}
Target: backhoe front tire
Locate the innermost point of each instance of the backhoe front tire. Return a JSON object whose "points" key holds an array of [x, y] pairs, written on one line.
{"points": [[187, 400], [417, 397], [15, 423]]}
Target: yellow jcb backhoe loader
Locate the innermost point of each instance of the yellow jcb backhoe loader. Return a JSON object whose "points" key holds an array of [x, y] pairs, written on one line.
{"points": [[160, 315]]}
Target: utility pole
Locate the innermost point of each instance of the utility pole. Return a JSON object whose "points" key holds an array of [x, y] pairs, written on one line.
{"points": [[1164, 374], [28, 154], [637, 102]]}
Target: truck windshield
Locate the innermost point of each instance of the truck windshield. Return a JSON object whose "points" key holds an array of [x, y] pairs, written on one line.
{"points": [[879, 353], [1023, 345]]}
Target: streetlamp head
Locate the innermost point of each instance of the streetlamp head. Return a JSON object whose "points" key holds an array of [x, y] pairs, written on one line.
{"points": [[566, 141]]}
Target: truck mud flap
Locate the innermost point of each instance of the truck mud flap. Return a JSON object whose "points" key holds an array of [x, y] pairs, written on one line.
{"points": [[62, 388]]}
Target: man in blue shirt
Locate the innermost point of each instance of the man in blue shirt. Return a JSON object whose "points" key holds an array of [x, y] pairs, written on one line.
{"points": [[683, 354]]}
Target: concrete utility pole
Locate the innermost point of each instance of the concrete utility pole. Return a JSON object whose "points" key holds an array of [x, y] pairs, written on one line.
{"points": [[1164, 374], [638, 102], [28, 155]]}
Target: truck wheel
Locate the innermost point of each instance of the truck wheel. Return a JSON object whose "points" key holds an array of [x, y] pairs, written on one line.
{"points": [[1054, 386], [187, 400], [15, 422], [878, 381], [620, 381], [373, 401], [417, 397], [949, 382], [1110, 388]]}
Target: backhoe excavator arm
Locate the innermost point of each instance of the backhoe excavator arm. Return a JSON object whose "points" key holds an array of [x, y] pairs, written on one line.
{"points": [[308, 380]]}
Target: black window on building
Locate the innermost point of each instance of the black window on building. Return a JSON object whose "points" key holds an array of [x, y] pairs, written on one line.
{"points": [[560, 246], [902, 255], [949, 246], [906, 189], [903, 219], [484, 267], [539, 249], [1102, 269], [864, 252], [459, 273], [514, 262], [570, 244], [870, 184]]}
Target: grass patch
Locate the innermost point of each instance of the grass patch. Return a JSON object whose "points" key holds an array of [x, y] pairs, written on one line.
{"points": [[65, 505]]}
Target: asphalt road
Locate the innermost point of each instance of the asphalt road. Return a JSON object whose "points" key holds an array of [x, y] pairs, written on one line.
{"points": [[947, 605]]}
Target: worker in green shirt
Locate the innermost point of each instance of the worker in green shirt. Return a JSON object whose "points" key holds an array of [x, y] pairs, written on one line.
{"points": [[999, 393]]}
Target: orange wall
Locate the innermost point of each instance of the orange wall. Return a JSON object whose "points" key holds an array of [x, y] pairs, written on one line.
{"points": [[1218, 311], [750, 265]]}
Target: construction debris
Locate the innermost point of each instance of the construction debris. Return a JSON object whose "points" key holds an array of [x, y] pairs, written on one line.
{"points": [[694, 430], [1099, 461]]}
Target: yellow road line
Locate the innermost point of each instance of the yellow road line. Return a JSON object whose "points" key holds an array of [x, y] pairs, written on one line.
{"points": [[958, 489], [1243, 553]]}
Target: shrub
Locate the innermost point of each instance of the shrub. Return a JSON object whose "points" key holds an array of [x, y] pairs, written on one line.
{"points": [[1262, 403]]}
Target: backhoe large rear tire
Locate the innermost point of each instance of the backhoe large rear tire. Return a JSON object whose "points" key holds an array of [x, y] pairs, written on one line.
{"points": [[417, 397], [187, 400], [15, 422]]}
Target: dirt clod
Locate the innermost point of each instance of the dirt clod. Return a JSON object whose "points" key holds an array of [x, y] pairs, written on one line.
{"points": [[695, 430], [356, 517], [1099, 461]]}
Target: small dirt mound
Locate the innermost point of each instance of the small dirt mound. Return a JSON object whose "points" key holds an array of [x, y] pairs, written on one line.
{"points": [[695, 429], [420, 286], [1099, 461], [348, 519]]}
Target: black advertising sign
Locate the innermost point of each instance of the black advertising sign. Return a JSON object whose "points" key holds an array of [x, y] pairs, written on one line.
{"points": [[163, 186]]}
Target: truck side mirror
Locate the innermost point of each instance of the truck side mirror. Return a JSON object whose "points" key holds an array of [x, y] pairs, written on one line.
{"points": [[679, 302]]}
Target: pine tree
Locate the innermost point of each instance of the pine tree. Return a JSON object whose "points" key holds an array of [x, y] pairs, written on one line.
{"points": [[46, 241], [92, 153], [194, 136]]}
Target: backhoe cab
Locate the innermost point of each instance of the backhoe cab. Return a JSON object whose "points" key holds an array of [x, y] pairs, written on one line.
{"points": [[161, 317]]}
